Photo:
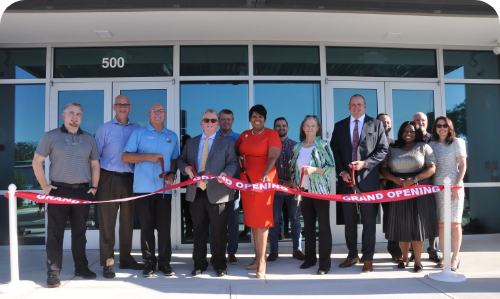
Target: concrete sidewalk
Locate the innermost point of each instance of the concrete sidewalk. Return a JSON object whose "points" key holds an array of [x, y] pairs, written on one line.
{"points": [[480, 262]]}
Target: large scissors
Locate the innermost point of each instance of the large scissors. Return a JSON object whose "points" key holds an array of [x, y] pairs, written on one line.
{"points": [[352, 184], [243, 166], [299, 197], [195, 173]]}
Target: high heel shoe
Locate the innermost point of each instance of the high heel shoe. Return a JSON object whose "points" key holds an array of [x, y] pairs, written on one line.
{"points": [[439, 266], [458, 266], [403, 265], [261, 275], [417, 268], [252, 267]]}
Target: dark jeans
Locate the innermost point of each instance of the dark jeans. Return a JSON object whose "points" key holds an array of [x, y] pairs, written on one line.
{"points": [[369, 213], [154, 211], [205, 213], [57, 216], [312, 208], [113, 186]]}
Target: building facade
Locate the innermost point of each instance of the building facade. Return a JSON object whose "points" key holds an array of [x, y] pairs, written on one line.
{"points": [[293, 60]]}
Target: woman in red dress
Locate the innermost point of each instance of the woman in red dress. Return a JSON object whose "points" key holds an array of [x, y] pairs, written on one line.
{"points": [[261, 148]]}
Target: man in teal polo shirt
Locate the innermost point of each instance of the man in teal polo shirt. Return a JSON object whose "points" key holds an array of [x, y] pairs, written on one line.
{"points": [[145, 148]]}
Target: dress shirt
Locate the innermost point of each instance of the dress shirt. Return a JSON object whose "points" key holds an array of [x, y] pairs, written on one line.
{"points": [[200, 147], [232, 135], [361, 121], [111, 138]]}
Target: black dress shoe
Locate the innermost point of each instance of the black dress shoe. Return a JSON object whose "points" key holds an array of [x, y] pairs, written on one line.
{"points": [[306, 265], [196, 272], [221, 272], [298, 255], [166, 270], [86, 273], [272, 256], [53, 281], [149, 269], [108, 272], [417, 268], [322, 272], [134, 266]]}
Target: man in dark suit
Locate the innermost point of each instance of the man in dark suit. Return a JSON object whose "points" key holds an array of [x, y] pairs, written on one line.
{"points": [[359, 142], [211, 201]]}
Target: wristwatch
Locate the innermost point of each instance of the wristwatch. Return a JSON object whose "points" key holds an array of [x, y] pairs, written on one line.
{"points": [[93, 188], [415, 180]]}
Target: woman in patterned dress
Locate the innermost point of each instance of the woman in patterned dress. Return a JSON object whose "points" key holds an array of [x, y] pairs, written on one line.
{"points": [[451, 161]]}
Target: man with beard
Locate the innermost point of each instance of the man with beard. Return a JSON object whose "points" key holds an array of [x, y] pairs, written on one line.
{"points": [[283, 168], [74, 164]]}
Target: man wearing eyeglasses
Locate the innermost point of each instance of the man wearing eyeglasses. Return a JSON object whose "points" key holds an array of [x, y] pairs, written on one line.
{"points": [[74, 173], [146, 148], [210, 201], [116, 181], [421, 119]]}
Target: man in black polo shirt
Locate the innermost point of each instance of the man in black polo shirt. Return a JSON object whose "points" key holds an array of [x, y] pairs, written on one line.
{"points": [[74, 164]]}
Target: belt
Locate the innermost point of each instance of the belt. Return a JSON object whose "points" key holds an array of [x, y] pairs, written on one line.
{"points": [[119, 173], [73, 186]]}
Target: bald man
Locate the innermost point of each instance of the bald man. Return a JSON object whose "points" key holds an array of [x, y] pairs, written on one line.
{"points": [[145, 148], [116, 181]]}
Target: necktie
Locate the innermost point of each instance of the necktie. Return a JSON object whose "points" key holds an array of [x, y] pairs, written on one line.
{"points": [[204, 157], [355, 142]]}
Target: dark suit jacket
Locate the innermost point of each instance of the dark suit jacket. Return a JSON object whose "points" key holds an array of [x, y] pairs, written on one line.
{"points": [[221, 158], [372, 149]]}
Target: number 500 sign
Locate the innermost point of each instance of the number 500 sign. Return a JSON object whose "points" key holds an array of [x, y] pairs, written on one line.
{"points": [[113, 62]]}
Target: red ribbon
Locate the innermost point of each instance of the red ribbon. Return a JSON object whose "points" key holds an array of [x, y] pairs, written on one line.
{"points": [[262, 187]]}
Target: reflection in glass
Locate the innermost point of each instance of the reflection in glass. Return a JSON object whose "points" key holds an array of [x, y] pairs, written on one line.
{"points": [[471, 65], [195, 98], [405, 103], [474, 110], [142, 100], [113, 62], [214, 60], [286, 61], [22, 125], [283, 99], [381, 62], [92, 102], [342, 96], [22, 63]]}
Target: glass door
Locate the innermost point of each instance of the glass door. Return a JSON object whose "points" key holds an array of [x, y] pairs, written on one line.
{"points": [[142, 96], [95, 99], [338, 94], [403, 100]]}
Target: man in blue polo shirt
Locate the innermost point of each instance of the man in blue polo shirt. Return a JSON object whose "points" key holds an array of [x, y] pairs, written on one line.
{"points": [[145, 147]]}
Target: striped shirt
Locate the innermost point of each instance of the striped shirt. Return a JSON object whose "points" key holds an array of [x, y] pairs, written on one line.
{"points": [[321, 156], [70, 155]]}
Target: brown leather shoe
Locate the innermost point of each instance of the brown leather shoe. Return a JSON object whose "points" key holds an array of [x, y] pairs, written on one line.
{"points": [[367, 267], [349, 262], [398, 259]]}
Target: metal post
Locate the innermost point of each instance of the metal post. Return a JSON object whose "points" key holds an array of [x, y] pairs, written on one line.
{"points": [[15, 285], [447, 275]]}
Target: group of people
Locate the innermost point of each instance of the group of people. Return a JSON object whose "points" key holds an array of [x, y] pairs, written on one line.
{"points": [[124, 160]]}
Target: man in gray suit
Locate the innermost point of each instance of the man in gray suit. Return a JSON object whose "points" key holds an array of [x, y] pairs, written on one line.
{"points": [[211, 201], [359, 142]]}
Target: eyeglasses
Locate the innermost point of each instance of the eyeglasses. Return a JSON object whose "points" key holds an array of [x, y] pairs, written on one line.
{"points": [[439, 126], [157, 111], [207, 120], [122, 105]]}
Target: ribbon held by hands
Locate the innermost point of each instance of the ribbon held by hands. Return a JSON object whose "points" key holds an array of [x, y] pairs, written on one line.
{"points": [[352, 183]]}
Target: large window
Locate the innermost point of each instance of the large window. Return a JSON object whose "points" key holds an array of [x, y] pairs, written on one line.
{"points": [[286, 61], [214, 60], [292, 100], [471, 65], [22, 63], [474, 110], [22, 125], [113, 62], [381, 62]]}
